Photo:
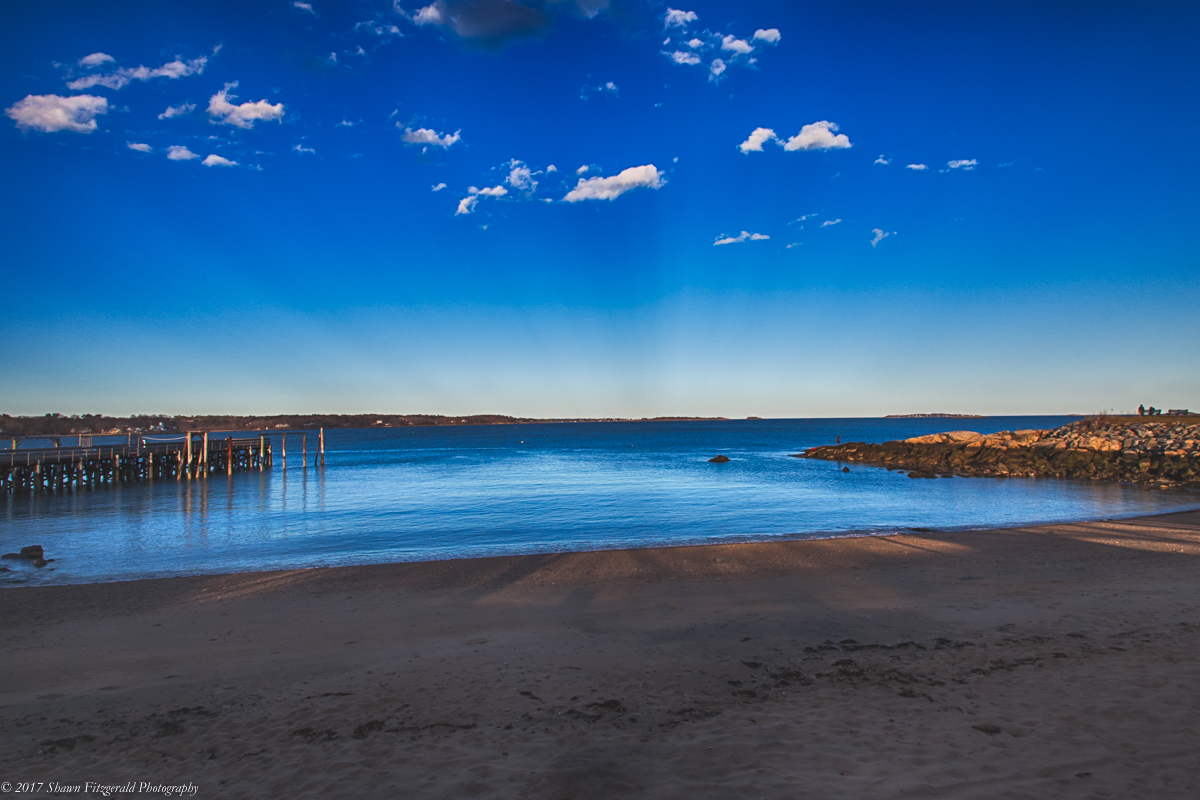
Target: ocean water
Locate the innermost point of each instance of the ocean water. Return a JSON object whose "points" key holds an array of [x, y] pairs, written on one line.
{"points": [[435, 493]]}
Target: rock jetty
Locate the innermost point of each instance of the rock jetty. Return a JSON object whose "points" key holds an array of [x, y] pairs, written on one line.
{"points": [[1164, 454]]}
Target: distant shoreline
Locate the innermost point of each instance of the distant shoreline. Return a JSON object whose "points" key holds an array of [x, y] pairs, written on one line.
{"points": [[931, 416]]}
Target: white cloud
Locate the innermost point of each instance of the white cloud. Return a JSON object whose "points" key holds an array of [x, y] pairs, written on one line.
{"points": [[678, 19], [882, 160], [304, 7], [966, 164], [609, 88], [770, 35], [50, 112], [244, 115], [715, 70], [140, 147], [302, 149], [916, 166], [377, 29], [213, 160], [829, 222], [695, 44], [803, 217], [95, 60], [520, 176], [177, 111], [551, 168], [178, 152], [736, 45], [431, 15], [879, 236], [347, 124], [647, 176], [744, 236], [122, 77], [437, 187], [680, 57], [758, 137], [466, 205], [793, 244], [582, 169], [818, 136], [428, 136]]}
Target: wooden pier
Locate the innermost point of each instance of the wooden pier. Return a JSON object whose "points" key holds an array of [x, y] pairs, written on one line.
{"points": [[196, 456]]}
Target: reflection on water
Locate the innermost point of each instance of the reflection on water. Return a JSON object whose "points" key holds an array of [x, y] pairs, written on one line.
{"points": [[431, 493]]}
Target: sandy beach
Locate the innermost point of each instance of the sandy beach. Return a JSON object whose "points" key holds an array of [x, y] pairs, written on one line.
{"points": [[1043, 662]]}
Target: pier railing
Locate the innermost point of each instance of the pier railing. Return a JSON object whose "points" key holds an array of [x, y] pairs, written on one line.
{"points": [[59, 469]]}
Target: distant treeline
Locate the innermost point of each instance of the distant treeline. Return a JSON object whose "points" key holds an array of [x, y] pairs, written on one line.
{"points": [[63, 425]]}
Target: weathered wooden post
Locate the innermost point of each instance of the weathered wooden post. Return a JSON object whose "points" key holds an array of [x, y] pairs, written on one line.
{"points": [[229, 455], [304, 450], [204, 455], [188, 451], [262, 453], [321, 437], [285, 451]]}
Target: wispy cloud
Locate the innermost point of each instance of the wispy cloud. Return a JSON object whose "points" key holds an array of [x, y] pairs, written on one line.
{"points": [[377, 29], [50, 112], [715, 69], [177, 111], [123, 77], [178, 152], [437, 187], [609, 89], [882, 160], [879, 236], [468, 203], [299, 148], [139, 146], [829, 222], [304, 7], [647, 176], [95, 60], [520, 176], [917, 167], [244, 115], [676, 18], [744, 236], [967, 164], [214, 160], [428, 136]]}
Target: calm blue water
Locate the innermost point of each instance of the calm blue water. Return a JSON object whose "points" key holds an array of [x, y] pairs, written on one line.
{"points": [[435, 493]]}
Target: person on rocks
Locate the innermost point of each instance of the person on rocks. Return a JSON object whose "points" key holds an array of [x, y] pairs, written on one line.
{"points": [[1141, 410]]}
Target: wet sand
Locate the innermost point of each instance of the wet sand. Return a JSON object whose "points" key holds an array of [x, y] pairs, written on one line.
{"points": [[1044, 662]]}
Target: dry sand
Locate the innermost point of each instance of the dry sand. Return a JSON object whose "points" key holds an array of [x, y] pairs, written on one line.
{"points": [[1031, 663]]}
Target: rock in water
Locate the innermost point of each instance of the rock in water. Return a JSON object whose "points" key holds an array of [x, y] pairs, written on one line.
{"points": [[34, 551], [718, 460], [845, 469]]}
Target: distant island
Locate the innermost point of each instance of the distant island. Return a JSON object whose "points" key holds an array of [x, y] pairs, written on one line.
{"points": [[925, 416], [98, 424]]}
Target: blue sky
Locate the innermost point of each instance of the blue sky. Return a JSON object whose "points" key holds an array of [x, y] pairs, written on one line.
{"points": [[644, 208]]}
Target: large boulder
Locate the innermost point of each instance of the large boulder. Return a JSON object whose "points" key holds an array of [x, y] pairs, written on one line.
{"points": [[718, 460]]}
